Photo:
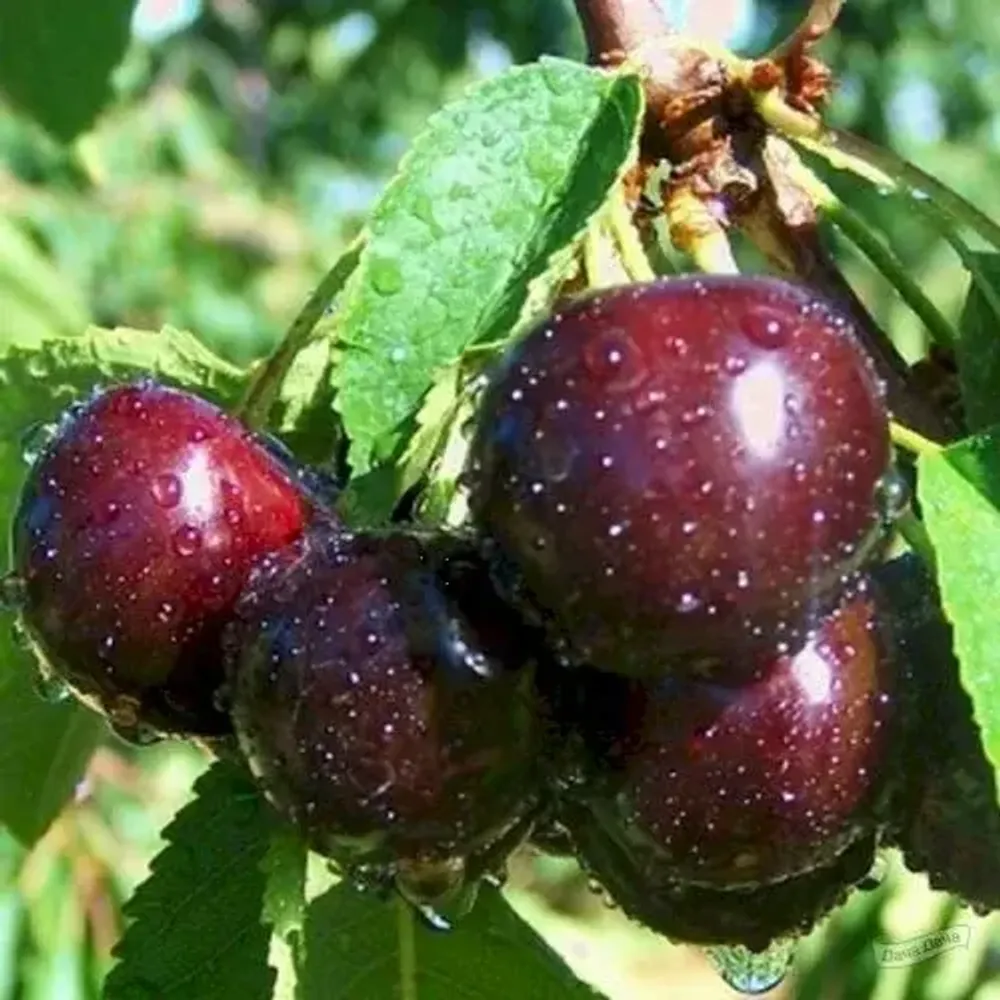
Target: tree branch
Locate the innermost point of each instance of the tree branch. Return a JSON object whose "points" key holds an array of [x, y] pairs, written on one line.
{"points": [[619, 26]]}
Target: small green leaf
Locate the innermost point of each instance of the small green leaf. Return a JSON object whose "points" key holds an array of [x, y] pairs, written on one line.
{"points": [[499, 182], [196, 928], [353, 954], [46, 747], [56, 58], [978, 347], [959, 492], [44, 751]]}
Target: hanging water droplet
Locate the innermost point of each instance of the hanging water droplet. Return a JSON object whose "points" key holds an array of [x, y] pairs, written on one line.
{"points": [[36, 439], [892, 496], [876, 875], [753, 972], [140, 734], [12, 592], [51, 688]]}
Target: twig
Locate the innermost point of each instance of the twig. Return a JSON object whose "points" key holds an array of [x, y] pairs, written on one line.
{"points": [[267, 381]]}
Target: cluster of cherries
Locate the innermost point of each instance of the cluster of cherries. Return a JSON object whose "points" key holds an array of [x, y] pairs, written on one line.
{"points": [[662, 642]]}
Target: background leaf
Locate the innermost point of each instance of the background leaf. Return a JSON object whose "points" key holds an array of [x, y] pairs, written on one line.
{"points": [[46, 43], [46, 747], [499, 182], [352, 953], [978, 346], [196, 926], [959, 492]]}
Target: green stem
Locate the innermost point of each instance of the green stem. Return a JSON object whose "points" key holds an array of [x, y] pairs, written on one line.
{"points": [[909, 440], [854, 227], [915, 534], [888, 170], [406, 932], [626, 237], [264, 386]]}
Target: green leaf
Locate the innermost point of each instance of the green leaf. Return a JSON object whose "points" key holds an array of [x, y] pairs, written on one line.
{"points": [[978, 347], [46, 747], [196, 928], [44, 751], [56, 58], [499, 182], [959, 492], [353, 954]]}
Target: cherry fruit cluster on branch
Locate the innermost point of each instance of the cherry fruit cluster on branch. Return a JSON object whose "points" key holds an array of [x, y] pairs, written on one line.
{"points": [[665, 633]]}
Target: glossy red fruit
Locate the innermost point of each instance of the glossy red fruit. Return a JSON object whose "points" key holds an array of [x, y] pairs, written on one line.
{"points": [[753, 916], [946, 818], [135, 533], [384, 698], [677, 466], [728, 785]]}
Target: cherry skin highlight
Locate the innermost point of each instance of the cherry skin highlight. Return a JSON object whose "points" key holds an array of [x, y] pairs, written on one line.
{"points": [[733, 785], [384, 698], [135, 533], [680, 466]]}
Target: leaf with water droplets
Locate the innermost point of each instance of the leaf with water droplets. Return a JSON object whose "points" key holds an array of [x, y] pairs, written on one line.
{"points": [[353, 954], [959, 492], [46, 746], [501, 180], [196, 927]]}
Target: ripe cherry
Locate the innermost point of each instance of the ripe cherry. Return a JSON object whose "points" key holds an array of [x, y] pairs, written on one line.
{"points": [[680, 465], [731, 785], [752, 916], [135, 533], [384, 697]]}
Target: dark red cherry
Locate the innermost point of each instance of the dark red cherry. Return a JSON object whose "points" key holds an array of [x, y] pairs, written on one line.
{"points": [[946, 819], [384, 698], [135, 533], [673, 466], [752, 916], [726, 785]]}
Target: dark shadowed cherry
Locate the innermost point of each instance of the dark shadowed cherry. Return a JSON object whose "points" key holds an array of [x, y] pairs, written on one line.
{"points": [[727, 785], [675, 466], [135, 533], [384, 698], [753, 916], [946, 819]]}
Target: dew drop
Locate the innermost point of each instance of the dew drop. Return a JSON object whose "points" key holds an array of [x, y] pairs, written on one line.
{"points": [[432, 919], [12, 592], [752, 972], [166, 490], [765, 329], [892, 496], [140, 734], [187, 540], [51, 688], [35, 440], [875, 876], [385, 275]]}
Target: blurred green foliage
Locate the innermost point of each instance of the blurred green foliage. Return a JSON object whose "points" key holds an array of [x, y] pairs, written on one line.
{"points": [[242, 148]]}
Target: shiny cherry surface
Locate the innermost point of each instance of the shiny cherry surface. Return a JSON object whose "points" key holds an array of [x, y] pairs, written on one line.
{"points": [[675, 466]]}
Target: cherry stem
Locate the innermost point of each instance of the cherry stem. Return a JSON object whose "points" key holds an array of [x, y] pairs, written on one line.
{"points": [[886, 169], [909, 440], [255, 408], [884, 259], [914, 532], [626, 236], [407, 937]]}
